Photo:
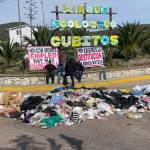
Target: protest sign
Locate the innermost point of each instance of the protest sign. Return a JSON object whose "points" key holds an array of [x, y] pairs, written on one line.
{"points": [[39, 56], [90, 56]]}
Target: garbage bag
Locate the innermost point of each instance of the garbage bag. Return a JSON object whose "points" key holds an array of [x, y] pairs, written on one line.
{"points": [[31, 103], [57, 89], [147, 91], [104, 107], [56, 100], [51, 121]]}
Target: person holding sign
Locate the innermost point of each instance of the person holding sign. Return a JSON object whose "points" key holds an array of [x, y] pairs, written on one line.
{"points": [[69, 71], [50, 68], [79, 71]]}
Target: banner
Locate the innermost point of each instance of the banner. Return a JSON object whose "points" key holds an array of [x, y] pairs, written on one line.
{"points": [[39, 56], [90, 56]]}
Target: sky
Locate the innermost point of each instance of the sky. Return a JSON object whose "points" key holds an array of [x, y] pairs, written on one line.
{"points": [[127, 10]]}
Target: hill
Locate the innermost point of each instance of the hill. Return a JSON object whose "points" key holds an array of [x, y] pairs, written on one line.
{"points": [[4, 35]]}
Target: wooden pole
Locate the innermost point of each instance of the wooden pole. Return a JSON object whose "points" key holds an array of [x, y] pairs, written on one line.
{"points": [[84, 15], [57, 30], [110, 33]]}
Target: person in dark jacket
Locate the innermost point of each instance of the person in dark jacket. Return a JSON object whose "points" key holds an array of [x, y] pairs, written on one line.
{"points": [[50, 68], [79, 71], [69, 71]]}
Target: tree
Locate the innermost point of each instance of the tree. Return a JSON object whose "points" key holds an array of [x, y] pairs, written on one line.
{"points": [[10, 53], [41, 37], [132, 37]]}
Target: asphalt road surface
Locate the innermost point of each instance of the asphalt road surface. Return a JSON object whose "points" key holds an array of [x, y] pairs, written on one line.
{"points": [[113, 133]]}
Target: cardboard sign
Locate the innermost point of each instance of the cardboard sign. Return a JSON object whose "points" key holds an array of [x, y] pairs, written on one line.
{"points": [[39, 56], [90, 56]]}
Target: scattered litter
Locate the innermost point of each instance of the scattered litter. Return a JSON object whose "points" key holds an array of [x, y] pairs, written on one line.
{"points": [[66, 106]]}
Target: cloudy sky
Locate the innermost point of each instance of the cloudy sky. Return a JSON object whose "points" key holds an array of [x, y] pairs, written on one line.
{"points": [[127, 10]]}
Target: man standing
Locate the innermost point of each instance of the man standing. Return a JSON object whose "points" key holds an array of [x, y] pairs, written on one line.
{"points": [[102, 72], [50, 68], [79, 71], [69, 71]]}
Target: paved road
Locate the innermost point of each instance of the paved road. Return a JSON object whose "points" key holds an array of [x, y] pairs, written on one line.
{"points": [[113, 133]]}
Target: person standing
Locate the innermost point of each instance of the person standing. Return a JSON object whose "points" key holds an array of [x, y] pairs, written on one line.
{"points": [[69, 71], [102, 72], [50, 68], [79, 71], [60, 71]]}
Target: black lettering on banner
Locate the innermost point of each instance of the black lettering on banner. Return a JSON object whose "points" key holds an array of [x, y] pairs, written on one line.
{"points": [[49, 50], [39, 50], [37, 61], [80, 50], [93, 62], [46, 60]]}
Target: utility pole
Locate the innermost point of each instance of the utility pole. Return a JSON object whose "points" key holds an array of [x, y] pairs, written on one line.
{"points": [[31, 11], [43, 12], [20, 25]]}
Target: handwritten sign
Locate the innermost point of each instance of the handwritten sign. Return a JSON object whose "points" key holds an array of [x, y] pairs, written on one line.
{"points": [[39, 56], [90, 56]]}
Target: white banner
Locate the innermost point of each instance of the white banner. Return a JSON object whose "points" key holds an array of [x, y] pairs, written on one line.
{"points": [[90, 56], [39, 56]]}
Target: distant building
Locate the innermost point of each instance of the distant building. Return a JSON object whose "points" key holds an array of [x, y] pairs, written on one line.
{"points": [[14, 33]]}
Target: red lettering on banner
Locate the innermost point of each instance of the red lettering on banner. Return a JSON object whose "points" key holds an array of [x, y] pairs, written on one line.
{"points": [[54, 55], [31, 55], [38, 55], [37, 66]]}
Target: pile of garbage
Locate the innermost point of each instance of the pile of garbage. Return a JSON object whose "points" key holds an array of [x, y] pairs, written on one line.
{"points": [[66, 106]]}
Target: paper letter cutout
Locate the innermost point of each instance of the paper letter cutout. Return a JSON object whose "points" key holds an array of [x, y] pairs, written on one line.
{"points": [[113, 24], [76, 41], [105, 40], [76, 24], [55, 41], [81, 9], [63, 23], [107, 24], [96, 39], [66, 9], [104, 10], [85, 24], [114, 40], [71, 24], [100, 24], [64, 42], [89, 9], [86, 40], [54, 24], [96, 9], [93, 24]]}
